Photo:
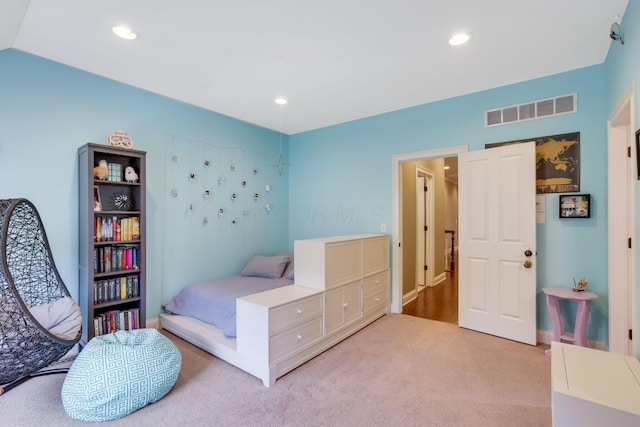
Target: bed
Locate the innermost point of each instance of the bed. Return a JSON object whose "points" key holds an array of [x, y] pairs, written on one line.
{"points": [[266, 324], [214, 301]]}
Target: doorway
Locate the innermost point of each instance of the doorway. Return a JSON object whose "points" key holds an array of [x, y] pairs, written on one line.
{"points": [[424, 229], [404, 272]]}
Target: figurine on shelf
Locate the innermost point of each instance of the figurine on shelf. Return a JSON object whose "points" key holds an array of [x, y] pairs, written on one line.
{"points": [[101, 171], [130, 174], [120, 139], [580, 286]]}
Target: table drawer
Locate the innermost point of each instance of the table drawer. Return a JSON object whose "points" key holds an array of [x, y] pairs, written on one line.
{"points": [[294, 313], [289, 341]]}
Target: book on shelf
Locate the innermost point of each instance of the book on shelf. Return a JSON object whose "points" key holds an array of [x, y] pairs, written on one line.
{"points": [[109, 259], [115, 289], [116, 320], [114, 229]]}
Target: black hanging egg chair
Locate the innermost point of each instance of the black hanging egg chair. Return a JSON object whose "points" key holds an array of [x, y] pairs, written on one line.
{"points": [[39, 322]]}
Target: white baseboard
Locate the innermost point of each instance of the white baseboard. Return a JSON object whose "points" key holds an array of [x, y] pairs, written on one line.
{"points": [[439, 279], [409, 296], [545, 337], [153, 323]]}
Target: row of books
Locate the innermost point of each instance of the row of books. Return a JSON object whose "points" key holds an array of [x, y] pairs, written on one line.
{"points": [[116, 320], [114, 229], [115, 258], [118, 288]]}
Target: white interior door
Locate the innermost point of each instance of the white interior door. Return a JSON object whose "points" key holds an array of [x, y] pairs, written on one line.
{"points": [[497, 280], [421, 234]]}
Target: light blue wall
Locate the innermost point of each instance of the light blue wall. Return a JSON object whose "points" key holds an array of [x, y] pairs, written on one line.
{"points": [[340, 180], [48, 110], [623, 69]]}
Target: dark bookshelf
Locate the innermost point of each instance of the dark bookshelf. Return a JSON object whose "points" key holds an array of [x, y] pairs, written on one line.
{"points": [[112, 221]]}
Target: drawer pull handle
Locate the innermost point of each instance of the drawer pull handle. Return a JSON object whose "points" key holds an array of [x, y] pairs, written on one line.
{"points": [[299, 312], [345, 305], [377, 299], [299, 337]]}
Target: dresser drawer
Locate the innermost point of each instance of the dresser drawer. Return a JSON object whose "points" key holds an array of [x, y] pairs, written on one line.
{"points": [[376, 283], [373, 301], [289, 341], [294, 313]]}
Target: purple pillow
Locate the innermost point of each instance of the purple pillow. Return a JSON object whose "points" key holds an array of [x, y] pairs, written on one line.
{"points": [[269, 267]]}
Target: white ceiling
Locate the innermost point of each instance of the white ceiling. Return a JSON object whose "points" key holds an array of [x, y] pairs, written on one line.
{"points": [[335, 60]]}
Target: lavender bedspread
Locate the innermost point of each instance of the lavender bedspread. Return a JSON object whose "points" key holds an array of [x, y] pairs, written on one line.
{"points": [[214, 301]]}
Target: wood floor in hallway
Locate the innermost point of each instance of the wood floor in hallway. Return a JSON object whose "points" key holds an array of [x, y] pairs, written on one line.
{"points": [[439, 302]]}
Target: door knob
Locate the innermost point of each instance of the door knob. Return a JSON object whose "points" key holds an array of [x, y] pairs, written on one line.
{"points": [[528, 253], [527, 264]]}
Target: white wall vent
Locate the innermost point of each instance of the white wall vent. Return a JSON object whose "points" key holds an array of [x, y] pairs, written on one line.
{"points": [[564, 104]]}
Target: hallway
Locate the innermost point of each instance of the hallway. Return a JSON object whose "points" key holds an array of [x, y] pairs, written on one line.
{"points": [[437, 303]]}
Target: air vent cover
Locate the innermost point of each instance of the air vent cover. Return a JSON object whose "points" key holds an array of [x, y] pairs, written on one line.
{"points": [[563, 104]]}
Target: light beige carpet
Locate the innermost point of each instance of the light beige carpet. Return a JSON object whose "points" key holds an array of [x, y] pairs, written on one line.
{"points": [[399, 371]]}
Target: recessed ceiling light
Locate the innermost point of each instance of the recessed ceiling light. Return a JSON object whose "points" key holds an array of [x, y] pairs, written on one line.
{"points": [[460, 38], [124, 32], [281, 100]]}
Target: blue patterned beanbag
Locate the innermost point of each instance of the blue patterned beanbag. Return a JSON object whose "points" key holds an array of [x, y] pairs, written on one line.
{"points": [[117, 374]]}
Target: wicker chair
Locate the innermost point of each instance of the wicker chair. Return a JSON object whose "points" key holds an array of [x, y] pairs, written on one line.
{"points": [[28, 279]]}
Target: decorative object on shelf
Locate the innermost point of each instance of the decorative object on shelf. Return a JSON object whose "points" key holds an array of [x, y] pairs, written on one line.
{"points": [[120, 139], [122, 201], [581, 285], [192, 177], [97, 204], [244, 183], [575, 206], [115, 172], [101, 171], [207, 193], [615, 34], [232, 168], [234, 221], [256, 196], [221, 211], [256, 171], [205, 220], [267, 207], [206, 163], [267, 188], [130, 174], [234, 196]]}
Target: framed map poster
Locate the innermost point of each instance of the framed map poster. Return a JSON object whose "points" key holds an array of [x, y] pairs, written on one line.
{"points": [[557, 162]]}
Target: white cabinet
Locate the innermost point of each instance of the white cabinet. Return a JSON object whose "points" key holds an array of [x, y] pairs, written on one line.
{"points": [[354, 273], [593, 387], [342, 306]]}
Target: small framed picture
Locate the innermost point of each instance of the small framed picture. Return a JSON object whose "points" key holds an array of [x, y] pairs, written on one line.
{"points": [[575, 206], [97, 204]]}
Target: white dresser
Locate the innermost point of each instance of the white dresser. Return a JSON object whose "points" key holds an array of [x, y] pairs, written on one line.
{"points": [[352, 270], [341, 285], [593, 387]]}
